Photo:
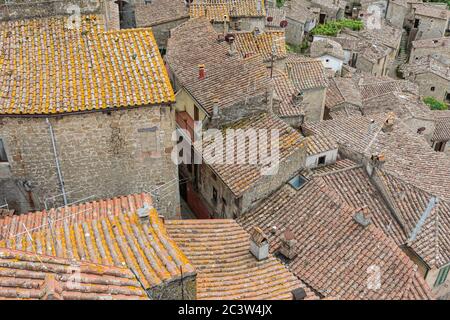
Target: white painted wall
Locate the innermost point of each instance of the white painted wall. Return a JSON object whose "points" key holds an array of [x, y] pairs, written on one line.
{"points": [[312, 161]]}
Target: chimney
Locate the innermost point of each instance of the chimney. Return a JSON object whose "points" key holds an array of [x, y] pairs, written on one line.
{"points": [[144, 213], [201, 72], [288, 246], [259, 244], [51, 289], [225, 25], [389, 122], [362, 219], [230, 39], [298, 294]]}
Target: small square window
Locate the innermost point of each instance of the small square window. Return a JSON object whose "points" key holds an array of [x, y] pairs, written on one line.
{"points": [[237, 202], [321, 160], [3, 157], [433, 88]]}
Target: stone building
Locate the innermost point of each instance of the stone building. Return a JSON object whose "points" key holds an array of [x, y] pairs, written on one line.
{"points": [[427, 21], [343, 98], [84, 114], [432, 74], [301, 20], [329, 52], [398, 10], [230, 188], [135, 241], [308, 77], [426, 47], [245, 15], [409, 176], [23, 9], [162, 16], [330, 10]]}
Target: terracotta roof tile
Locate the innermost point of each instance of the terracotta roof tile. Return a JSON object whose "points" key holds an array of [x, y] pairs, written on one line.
{"points": [[240, 177], [285, 92], [217, 9], [249, 43], [220, 251], [335, 253], [323, 47], [105, 232], [34, 276], [428, 64], [160, 11], [46, 68], [306, 73], [229, 79], [317, 143]]}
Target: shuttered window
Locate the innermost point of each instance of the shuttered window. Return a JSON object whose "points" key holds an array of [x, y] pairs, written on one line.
{"points": [[442, 276]]}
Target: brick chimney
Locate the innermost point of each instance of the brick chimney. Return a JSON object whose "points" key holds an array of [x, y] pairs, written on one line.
{"points": [[288, 246], [144, 213], [388, 124], [259, 244], [201, 72]]}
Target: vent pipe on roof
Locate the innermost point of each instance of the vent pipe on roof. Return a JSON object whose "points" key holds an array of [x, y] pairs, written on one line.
{"points": [[259, 244]]}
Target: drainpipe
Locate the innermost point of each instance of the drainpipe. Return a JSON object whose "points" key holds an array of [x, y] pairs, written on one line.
{"points": [[55, 154]]}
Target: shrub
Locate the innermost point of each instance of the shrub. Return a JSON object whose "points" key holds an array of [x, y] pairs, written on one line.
{"points": [[435, 104], [332, 28]]}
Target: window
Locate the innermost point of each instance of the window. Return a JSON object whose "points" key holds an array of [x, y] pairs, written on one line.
{"points": [[416, 23], [321, 160], [237, 202], [433, 88], [3, 157], [214, 199], [442, 276]]}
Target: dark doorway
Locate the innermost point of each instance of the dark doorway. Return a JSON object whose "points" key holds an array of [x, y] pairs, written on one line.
{"points": [[322, 17], [440, 146]]}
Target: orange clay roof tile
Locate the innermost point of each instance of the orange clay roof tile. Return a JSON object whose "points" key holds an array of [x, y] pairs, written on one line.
{"points": [[46, 67]]}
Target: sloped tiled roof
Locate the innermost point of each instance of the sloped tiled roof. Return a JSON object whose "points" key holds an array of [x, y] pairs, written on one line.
{"points": [[285, 92], [306, 73], [220, 251], [428, 10], [442, 130], [335, 255], [317, 143], [217, 9], [407, 154], [430, 241], [249, 43], [299, 11], [106, 232], [229, 79], [323, 47], [240, 177], [34, 276], [160, 11], [277, 15], [404, 105], [354, 186], [46, 68]]}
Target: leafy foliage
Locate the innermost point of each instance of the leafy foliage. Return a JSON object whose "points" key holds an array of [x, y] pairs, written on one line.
{"points": [[332, 28], [440, 1], [280, 3], [435, 104]]}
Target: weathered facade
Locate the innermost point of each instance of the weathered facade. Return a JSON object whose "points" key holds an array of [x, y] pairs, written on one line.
{"points": [[68, 136]]}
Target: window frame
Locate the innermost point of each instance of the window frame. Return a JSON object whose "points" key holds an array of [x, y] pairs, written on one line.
{"points": [[3, 153]]}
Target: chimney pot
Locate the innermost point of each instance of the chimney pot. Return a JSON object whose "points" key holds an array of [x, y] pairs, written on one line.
{"points": [[201, 72], [259, 244], [299, 294]]}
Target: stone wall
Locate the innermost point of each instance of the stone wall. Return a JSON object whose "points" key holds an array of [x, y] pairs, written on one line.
{"points": [[178, 289], [101, 155], [427, 81], [442, 50], [294, 32], [314, 101], [162, 31], [430, 27], [251, 197]]}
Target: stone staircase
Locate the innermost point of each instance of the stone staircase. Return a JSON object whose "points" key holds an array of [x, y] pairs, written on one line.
{"points": [[402, 57]]}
